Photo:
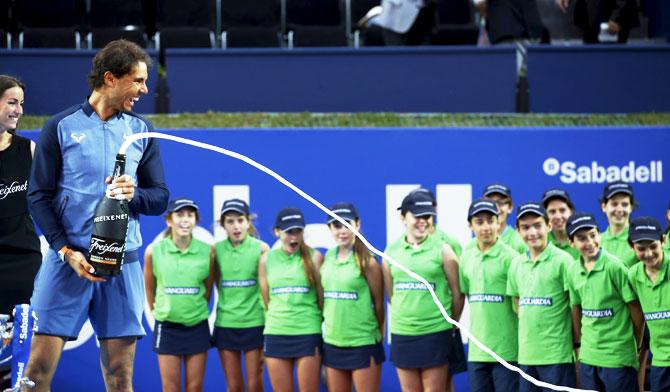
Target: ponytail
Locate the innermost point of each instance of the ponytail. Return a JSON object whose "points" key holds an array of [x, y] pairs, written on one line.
{"points": [[307, 264], [361, 255]]}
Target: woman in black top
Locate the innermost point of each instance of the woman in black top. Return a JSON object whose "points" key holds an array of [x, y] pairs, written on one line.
{"points": [[20, 255]]}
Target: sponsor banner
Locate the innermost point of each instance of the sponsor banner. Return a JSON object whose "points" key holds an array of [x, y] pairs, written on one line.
{"points": [[597, 313], [374, 169], [535, 301], [237, 283], [654, 316], [290, 290], [346, 295], [486, 298], [181, 290]]}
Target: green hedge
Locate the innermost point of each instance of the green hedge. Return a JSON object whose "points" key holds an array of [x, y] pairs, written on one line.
{"points": [[372, 120]]}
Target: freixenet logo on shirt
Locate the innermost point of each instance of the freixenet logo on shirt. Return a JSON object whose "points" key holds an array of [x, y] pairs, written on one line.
{"points": [[486, 298], [14, 187], [412, 286], [597, 313], [181, 290], [655, 316], [290, 290], [535, 301], [238, 283], [347, 295]]}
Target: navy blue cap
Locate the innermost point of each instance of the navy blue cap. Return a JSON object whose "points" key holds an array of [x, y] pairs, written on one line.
{"points": [[644, 228], [345, 210], [425, 191], [531, 208], [616, 187], [418, 203], [182, 202], [579, 221], [500, 189], [238, 205], [482, 205], [290, 218], [556, 193]]}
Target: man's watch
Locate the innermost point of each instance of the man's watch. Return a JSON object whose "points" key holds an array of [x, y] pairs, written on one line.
{"points": [[64, 252]]}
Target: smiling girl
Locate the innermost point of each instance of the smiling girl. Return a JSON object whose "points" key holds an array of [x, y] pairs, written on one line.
{"points": [[421, 340], [178, 278]]}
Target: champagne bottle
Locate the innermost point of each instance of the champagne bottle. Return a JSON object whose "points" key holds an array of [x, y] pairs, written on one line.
{"points": [[110, 225]]}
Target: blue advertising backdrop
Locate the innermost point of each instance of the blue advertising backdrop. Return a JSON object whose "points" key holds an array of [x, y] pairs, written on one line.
{"points": [[361, 165]]}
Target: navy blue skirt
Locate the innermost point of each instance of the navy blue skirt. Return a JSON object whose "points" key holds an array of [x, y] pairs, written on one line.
{"points": [[351, 358], [421, 351], [238, 339], [457, 360], [178, 339], [292, 346]]}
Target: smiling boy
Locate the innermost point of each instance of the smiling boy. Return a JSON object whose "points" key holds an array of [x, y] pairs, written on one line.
{"points": [[538, 282]]}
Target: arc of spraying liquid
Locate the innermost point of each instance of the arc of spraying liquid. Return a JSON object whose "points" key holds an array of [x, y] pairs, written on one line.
{"points": [[144, 135]]}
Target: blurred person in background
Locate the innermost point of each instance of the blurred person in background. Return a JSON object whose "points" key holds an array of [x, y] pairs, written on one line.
{"points": [[603, 20]]}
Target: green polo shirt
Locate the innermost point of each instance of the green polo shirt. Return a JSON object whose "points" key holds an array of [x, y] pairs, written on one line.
{"points": [[603, 293], [545, 318], [667, 242], [293, 308], [349, 318], [655, 301], [449, 240], [240, 303], [565, 247], [413, 311], [618, 246], [180, 281], [483, 278], [512, 239]]}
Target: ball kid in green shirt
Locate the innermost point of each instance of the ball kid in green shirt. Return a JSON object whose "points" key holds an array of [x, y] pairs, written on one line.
{"points": [[607, 315], [650, 279], [539, 282], [238, 330], [483, 278]]}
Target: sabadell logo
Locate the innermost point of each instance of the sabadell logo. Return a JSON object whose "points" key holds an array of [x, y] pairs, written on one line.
{"points": [[570, 172]]}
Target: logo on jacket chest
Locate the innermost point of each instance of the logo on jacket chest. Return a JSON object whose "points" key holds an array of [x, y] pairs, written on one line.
{"points": [[78, 137]]}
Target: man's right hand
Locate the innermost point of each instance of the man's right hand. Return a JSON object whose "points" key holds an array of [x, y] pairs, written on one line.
{"points": [[563, 5], [81, 266]]}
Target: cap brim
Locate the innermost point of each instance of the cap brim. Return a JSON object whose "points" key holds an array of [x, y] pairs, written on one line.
{"points": [[489, 193], [346, 218], [555, 196], [582, 226], [483, 209], [647, 237], [236, 209], [291, 227], [182, 206], [615, 192], [423, 213], [536, 213]]}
